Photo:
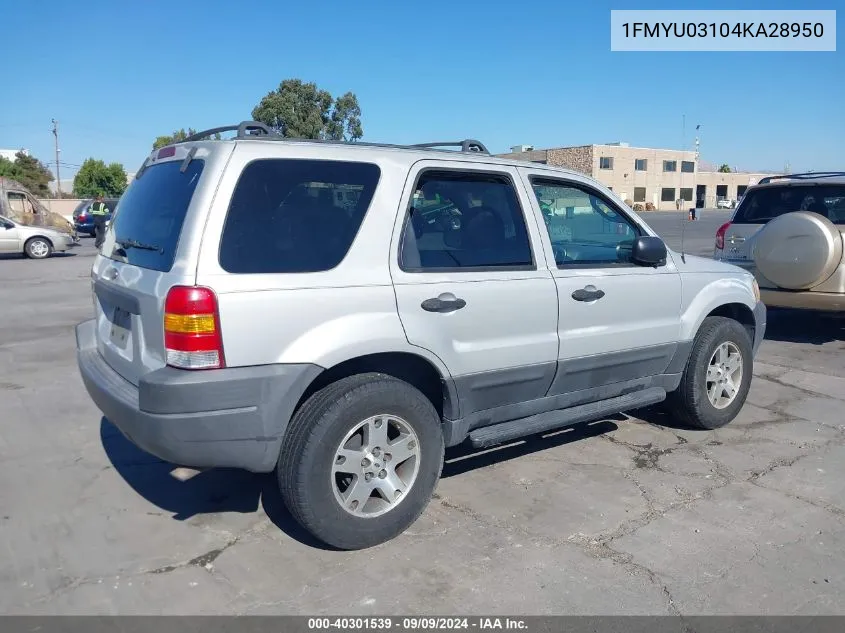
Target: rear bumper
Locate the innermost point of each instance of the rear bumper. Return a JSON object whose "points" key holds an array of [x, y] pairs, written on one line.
{"points": [[228, 417], [808, 300]]}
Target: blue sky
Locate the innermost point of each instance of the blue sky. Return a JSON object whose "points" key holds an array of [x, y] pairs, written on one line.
{"points": [[118, 74]]}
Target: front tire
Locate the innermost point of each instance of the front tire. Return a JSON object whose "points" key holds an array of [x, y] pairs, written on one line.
{"points": [[360, 460], [38, 248], [717, 376]]}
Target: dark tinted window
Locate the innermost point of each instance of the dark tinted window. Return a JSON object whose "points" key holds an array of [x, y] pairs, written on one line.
{"points": [[687, 166], [152, 212], [464, 220], [295, 216], [758, 206]]}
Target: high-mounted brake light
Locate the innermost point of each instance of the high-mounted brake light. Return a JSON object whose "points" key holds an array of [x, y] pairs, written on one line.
{"points": [[167, 152], [192, 337], [720, 235]]}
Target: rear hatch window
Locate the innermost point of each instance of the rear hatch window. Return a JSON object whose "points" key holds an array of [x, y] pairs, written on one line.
{"points": [[151, 215], [82, 206], [766, 203], [295, 215]]}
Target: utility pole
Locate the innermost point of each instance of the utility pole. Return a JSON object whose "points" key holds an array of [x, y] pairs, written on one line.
{"points": [[58, 180]]}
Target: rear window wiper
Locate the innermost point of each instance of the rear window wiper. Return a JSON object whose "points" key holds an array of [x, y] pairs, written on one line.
{"points": [[139, 245]]}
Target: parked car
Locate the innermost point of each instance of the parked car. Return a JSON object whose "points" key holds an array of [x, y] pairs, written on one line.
{"points": [[245, 318], [36, 242], [83, 220], [724, 203], [789, 232]]}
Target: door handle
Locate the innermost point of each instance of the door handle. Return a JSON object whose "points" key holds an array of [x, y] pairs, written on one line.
{"points": [[590, 293], [443, 304]]}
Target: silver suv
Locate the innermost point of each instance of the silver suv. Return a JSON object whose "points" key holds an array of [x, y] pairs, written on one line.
{"points": [[340, 313], [789, 231]]}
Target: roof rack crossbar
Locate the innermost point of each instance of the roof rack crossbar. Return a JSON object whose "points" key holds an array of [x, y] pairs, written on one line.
{"points": [[256, 129], [245, 129], [467, 145], [802, 176]]}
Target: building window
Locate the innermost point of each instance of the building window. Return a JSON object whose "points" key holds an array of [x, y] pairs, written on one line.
{"points": [[639, 194], [605, 162], [687, 166], [740, 190], [670, 165], [640, 164], [686, 194], [667, 194], [721, 192], [611, 188]]}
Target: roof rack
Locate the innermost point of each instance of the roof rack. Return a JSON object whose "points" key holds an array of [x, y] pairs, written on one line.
{"points": [[467, 145], [805, 176], [246, 129], [257, 130]]}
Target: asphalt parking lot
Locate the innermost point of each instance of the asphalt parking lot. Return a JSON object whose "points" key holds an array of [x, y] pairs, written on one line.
{"points": [[624, 516]]}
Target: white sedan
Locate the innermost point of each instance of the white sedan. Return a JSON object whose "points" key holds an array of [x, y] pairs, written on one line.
{"points": [[36, 242]]}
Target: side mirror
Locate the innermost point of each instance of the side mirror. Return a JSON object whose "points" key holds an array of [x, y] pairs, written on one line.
{"points": [[648, 251]]}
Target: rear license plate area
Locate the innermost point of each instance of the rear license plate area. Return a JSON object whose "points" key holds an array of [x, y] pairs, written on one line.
{"points": [[121, 327]]}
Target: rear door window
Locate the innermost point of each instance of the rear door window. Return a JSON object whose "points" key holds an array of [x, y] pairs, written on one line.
{"points": [[295, 215], [152, 212], [465, 221], [761, 205]]}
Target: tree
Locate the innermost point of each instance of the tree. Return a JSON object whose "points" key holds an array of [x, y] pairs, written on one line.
{"points": [[29, 171], [301, 110], [177, 137], [724, 168], [96, 178]]}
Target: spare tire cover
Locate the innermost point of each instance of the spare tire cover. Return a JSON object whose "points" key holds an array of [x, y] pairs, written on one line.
{"points": [[798, 250]]}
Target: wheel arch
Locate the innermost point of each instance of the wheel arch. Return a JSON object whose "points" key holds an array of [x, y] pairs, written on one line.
{"points": [[38, 236], [727, 297], [433, 381], [738, 312]]}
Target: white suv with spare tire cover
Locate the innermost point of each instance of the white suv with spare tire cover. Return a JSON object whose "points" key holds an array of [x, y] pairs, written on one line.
{"points": [[789, 231], [341, 313]]}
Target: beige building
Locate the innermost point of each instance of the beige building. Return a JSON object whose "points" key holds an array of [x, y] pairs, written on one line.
{"points": [[663, 179]]}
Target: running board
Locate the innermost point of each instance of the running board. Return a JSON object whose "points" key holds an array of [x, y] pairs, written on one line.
{"points": [[488, 436]]}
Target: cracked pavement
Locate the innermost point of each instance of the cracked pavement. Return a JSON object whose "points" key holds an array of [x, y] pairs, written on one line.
{"points": [[629, 515]]}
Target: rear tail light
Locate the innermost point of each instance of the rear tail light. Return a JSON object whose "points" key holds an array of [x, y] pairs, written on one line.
{"points": [[192, 338], [720, 235], [82, 216]]}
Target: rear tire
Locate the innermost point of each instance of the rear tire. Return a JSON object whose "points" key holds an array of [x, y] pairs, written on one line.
{"points": [[38, 248], [335, 443], [712, 390]]}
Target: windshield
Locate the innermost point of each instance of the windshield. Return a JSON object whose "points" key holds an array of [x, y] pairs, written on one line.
{"points": [[152, 211], [761, 205]]}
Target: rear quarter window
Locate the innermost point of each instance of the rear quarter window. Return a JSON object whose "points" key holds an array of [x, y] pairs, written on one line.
{"points": [[759, 206], [152, 212], [294, 215]]}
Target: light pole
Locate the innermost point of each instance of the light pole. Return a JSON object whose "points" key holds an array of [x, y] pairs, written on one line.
{"points": [[58, 179]]}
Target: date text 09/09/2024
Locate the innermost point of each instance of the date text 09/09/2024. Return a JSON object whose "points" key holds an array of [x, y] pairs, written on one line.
{"points": [[724, 29], [415, 624]]}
